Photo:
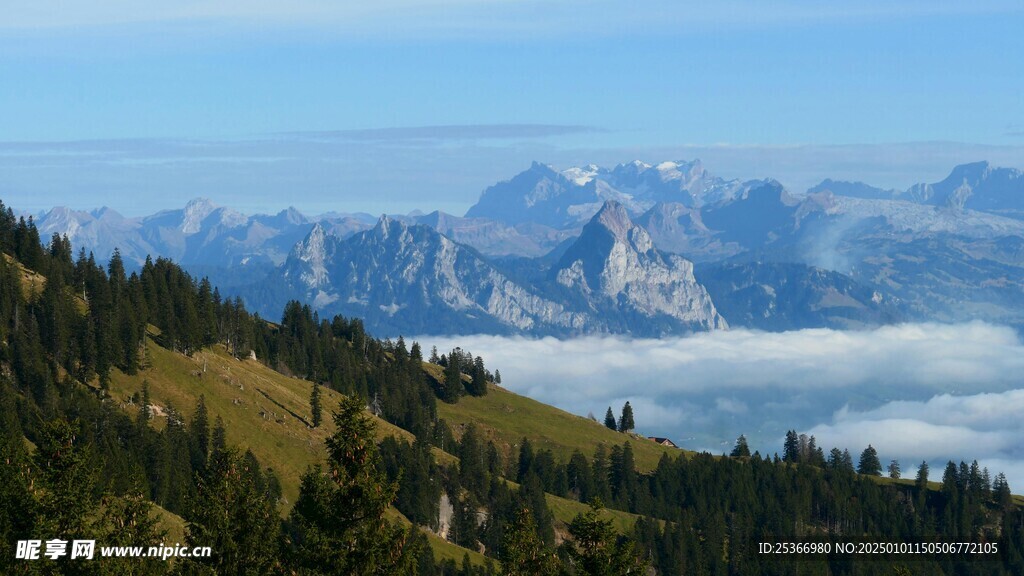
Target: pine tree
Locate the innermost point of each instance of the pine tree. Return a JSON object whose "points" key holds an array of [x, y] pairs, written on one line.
{"points": [[523, 553], [338, 524], [314, 405], [596, 549], [199, 433], [626, 420], [869, 463], [452, 387], [609, 419], [791, 449], [235, 515], [741, 450], [894, 469], [146, 407], [1001, 494]]}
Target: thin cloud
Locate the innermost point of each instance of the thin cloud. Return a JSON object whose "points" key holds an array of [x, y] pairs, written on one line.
{"points": [[455, 132]]}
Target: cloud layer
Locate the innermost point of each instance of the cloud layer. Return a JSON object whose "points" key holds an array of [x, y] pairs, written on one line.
{"points": [[915, 391]]}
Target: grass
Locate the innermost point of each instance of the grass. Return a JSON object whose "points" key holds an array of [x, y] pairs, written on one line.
{"points": [[263, 411], [172, 525], [506, 418]]}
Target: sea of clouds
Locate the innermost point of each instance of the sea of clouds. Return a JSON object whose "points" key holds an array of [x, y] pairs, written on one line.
{"points": [[915, 392]]}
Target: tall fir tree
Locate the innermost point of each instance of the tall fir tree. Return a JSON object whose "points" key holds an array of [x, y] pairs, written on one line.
{"points": [[741, 449], [626, 420], [338, 524], [609, 419], [869, 463], [523, 553], [314, 405], [596, 549]]}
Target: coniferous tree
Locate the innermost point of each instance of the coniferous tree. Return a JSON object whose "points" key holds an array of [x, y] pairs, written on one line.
{"points": [[233, 513], [146, 405], [869, 463], [626, 420], [596, 550], [894, 469], [338, 524], [741, 450], [451, 387], [1001, 494], [522, 551], [67, 502], [609, 419], [922, 475], [791, 449], [580, 477], [199, 432], [314, 405]]}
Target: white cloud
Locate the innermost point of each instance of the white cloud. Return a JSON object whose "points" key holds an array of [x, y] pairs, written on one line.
{"points": [[914, 391]]}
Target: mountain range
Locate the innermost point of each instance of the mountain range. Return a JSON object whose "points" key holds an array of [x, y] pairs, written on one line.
{"points": [[640, 249]]}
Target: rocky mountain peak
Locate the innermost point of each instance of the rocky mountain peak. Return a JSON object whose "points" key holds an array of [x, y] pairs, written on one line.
{"points": [[313, 252], [195, 212], [614, 264], [614, 218]]}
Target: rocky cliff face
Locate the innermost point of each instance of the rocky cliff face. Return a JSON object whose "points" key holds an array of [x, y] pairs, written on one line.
{"points": [[412, 279], [615, 267], [408, 279]]}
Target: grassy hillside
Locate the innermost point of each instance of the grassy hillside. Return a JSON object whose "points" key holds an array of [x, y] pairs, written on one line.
{"points": [[263, 411], [507, 418]]}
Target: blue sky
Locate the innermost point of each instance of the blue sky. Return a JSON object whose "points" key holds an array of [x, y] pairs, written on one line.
{"points": [[102, 100]]}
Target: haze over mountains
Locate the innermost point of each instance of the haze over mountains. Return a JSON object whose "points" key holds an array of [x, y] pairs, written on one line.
{"points": [[637, 249]]}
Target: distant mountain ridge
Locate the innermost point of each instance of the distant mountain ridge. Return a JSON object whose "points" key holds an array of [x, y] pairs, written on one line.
{"points": [[975, 186], [571, 197], [408, 277], [530, 257]]}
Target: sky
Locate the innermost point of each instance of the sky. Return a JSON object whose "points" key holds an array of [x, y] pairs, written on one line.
{"points": [[421, 104], [396, 105], [916, 392]]}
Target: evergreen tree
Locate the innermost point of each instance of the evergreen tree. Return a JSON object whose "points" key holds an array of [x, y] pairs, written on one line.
{"points": [[609, 419], [741, 450], [869, 463], [894, 469], [338, 524], [314, 405], [791, 449], [523, 553], [452, 387], [596, 550], [478, 382], [67, 502], [626, 420], [146, 405], [1001, 494], [233, 513], [199, 432]]}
